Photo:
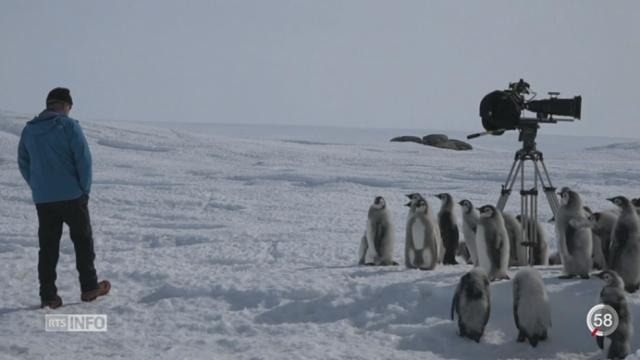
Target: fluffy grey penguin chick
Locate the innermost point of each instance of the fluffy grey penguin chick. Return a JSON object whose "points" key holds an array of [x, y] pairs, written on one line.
{"points": [[493, 243], [625, 244], [472, 303], [376, 245], [602, 224], [531, 309], [613, 294], [574, 239], [469, 226]]}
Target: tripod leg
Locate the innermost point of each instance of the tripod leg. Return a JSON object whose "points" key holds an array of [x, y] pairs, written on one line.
{"points": [[549, 190], [508, 184]]}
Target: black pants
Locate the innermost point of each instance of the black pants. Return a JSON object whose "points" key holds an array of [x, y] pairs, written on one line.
{"points": [[51, 217]]}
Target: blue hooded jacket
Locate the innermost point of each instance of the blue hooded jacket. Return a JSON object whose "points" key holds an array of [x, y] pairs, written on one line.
{"points": [[54, 158]]}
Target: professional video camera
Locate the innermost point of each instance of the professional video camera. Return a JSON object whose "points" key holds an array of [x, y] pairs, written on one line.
{"points": [[502, 110]]}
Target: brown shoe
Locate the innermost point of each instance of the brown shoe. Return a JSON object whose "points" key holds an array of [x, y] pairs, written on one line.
{"points": [[103, 289], [54, 303]]}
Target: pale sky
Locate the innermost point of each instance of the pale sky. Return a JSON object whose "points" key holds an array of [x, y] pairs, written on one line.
{"points": [[391, 64]]}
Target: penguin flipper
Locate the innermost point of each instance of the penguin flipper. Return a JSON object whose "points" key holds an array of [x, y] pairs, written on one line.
{"points": [[516, 302], [362, 251], [378, 238], [494, 253], [569, 238], [619, 236], [454, 303], [621, 233]]}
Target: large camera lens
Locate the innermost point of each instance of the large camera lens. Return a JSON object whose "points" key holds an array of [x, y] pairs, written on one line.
{"points": [[556, 106]]}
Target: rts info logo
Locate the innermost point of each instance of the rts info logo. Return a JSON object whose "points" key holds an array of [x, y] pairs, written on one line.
{"points": [[75, 322]]}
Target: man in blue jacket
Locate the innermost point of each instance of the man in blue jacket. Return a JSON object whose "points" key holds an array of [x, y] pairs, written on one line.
{"points": [[54, 159]]}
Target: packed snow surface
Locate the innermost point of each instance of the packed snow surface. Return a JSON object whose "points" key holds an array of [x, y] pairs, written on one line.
{"points": [[223, 247]]}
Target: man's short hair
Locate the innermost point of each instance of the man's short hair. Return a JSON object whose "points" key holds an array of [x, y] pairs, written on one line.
{"points": [[59, 95]]}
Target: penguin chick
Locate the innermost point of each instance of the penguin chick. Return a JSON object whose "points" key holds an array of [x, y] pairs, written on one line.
{"points": [[531, 309], [625, 244], [422, 238], [472, 303], [574, 239], [448, 228], [613, 294], [376, 245], [469, 226], [493, 243]]}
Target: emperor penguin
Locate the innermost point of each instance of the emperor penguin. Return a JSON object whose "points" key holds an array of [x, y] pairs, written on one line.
{"points": [[422, 237], [448, 228], [602, 223], [472, 303], [469, 225], [574, 240], [517, 251], [531, 309], [625, 244], [492, 241], [598, 255], [540, 244], [612, 294], [376, 246]]}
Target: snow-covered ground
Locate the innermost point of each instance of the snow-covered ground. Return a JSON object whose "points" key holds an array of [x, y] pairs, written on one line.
{"points": [[220, 247]]}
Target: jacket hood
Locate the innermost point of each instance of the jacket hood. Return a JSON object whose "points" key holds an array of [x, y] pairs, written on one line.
{"points": [[45, 122]]}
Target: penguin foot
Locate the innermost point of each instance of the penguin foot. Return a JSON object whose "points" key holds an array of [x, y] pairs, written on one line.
{"points": [[543, 336], [565, 277], [584, 276], [475, 337], [521, 337]]}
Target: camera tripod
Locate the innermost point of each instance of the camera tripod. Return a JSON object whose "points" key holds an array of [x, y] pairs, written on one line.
{"points": [[529, 196]]}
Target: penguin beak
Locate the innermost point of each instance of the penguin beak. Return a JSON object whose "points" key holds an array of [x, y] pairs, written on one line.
{"points": [[408, 204], [610, 199], [460, 203], [600, 274]]}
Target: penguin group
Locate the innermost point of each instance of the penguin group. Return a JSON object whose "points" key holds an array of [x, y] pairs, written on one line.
{"points": [[492, 240], [608, 241]]}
